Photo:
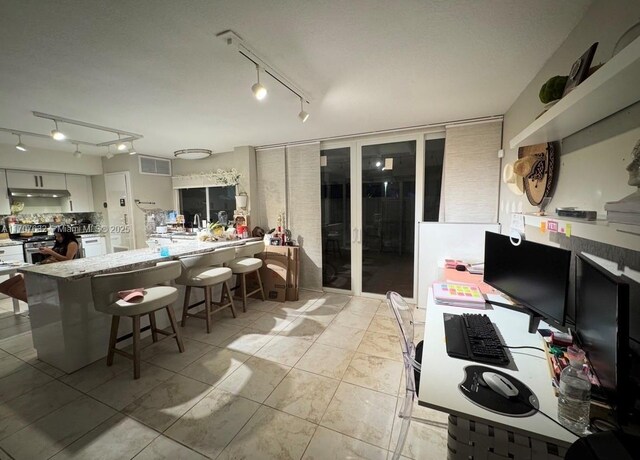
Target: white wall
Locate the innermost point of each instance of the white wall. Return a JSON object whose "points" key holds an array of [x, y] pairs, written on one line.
{"points": [[144, 187], [49, 160], [593, 161]]}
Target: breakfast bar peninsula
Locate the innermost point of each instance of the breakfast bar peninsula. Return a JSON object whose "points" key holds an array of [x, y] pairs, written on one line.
{"points": [[68, 332]]}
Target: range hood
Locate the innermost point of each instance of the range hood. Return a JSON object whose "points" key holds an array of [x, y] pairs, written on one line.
{"points": [[37, 192]]}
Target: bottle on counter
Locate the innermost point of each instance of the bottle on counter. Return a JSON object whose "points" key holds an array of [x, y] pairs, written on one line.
{"points": [[574, 399]]}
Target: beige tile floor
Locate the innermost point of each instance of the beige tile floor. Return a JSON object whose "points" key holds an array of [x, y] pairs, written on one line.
{"points": [[319, 378]]}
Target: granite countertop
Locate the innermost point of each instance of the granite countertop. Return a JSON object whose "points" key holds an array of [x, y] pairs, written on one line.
{"points": [[122, 261]]}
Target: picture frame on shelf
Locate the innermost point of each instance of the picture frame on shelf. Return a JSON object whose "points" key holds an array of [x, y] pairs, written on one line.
{"points": [[580, 69]]}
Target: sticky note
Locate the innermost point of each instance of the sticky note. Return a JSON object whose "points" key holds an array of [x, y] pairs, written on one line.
{"points": [[552, 226], [543, 226], [567, 230]]}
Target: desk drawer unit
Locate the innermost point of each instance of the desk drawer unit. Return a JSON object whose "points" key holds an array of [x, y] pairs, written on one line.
{"points": [[472, 440]]}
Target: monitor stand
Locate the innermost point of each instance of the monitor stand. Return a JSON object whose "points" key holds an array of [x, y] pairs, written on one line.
{"points": [[534, 318]]}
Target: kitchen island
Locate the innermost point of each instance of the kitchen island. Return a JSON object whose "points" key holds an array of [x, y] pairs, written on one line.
{"points": [[67, 331]]}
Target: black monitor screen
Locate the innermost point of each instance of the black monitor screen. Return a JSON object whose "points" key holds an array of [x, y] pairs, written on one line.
{"points": [[602, 321], [533, 274]]}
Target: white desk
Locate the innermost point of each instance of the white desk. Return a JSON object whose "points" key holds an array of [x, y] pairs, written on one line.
{"points": [[441, 374]]}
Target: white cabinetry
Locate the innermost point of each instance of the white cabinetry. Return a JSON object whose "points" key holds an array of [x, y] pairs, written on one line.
{"points": [[93, 246], [34, 179], [5, 203], [81, 199]]}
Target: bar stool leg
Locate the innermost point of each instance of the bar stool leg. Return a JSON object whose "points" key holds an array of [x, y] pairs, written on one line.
{"points": [[207, 308], [152, 322], [260, 284], [174, 326], [115, 322], [244, 292], [185, 308], [136, 346], [226, 289]]}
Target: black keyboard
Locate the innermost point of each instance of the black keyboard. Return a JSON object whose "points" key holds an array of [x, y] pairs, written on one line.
{"points": [[475, 338]]}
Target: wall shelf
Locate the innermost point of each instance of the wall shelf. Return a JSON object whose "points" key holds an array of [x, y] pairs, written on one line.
{"points": [[622, 235], [610, 89]]}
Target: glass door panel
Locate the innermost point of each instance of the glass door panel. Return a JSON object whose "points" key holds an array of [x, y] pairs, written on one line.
{"points": [[388, 217], [336, 217]]}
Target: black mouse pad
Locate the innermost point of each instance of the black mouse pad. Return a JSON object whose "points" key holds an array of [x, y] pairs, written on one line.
{"points": [[474, 388]]}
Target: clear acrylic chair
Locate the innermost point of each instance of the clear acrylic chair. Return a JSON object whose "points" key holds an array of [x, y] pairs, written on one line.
{"points": [[412, 359]]}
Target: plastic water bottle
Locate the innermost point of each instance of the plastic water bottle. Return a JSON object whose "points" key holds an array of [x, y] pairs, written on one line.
{"points": [[575, 394]]}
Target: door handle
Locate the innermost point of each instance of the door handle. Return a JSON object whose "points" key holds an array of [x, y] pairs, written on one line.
{"points": [[125, 219], [71, 205], [36, 178], [353, 236], [41, 184]]}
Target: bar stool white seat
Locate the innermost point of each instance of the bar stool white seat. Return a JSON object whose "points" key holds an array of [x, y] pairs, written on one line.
{"points": [[245, 264], [199, 271], [106, 299]]}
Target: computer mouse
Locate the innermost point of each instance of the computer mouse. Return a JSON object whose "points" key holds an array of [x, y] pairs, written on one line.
{"points": [[500, 384]]}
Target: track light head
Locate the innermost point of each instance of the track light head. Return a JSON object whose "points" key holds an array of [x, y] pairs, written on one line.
{"points": [[259, 91], [57, 134], [109, 155], [20, 146], [132, 150], [77, 153], [304, 116]]}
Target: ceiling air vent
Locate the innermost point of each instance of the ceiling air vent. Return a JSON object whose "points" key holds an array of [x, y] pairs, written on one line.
{"points": [[155, 166]]}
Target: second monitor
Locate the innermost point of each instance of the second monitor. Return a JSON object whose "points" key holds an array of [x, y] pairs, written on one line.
{"points": [[534, 275]]}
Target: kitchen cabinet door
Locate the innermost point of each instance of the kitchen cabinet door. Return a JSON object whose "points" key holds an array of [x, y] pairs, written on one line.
{"points": [[23, 179], [52, 181], [5, 203], [81, 199]]}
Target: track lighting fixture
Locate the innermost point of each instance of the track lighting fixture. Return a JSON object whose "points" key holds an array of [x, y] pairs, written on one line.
{"points": [[77, 153], [56, 134], [121, 145], [20, 146], [109, 154], [132, 150], [259, 91], [302, 115]]}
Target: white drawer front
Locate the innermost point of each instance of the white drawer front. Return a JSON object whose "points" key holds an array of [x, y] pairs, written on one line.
{"points": [[6, 251]]}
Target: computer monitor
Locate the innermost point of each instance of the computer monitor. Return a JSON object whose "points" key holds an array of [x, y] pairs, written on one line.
{"points": [[533, 274], [633, 388], [602, 326]]}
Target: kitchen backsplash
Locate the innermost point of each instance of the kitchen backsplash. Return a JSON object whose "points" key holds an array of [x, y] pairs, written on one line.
{"points": [[82, 221]]}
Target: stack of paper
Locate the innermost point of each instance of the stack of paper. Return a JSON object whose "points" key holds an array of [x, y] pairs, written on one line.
{"points": [[458, 295]]}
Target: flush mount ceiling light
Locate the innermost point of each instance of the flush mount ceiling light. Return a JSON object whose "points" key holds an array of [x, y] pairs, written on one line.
{"points": [[20, 146], [57, 134], [302, 115], [259, 91], [192, 154], [77, 153], [132, 150]]}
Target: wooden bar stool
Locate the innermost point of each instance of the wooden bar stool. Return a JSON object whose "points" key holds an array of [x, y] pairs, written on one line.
{"points": [[200, 271], [106, 299], [245, 264]]}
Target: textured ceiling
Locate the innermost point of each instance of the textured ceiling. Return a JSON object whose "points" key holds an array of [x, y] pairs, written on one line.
{"points": [[155, 67]]}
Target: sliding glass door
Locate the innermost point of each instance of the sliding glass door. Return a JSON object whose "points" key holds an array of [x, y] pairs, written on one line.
{"points": [[387, 217], [374, 192], [335, 167]]}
